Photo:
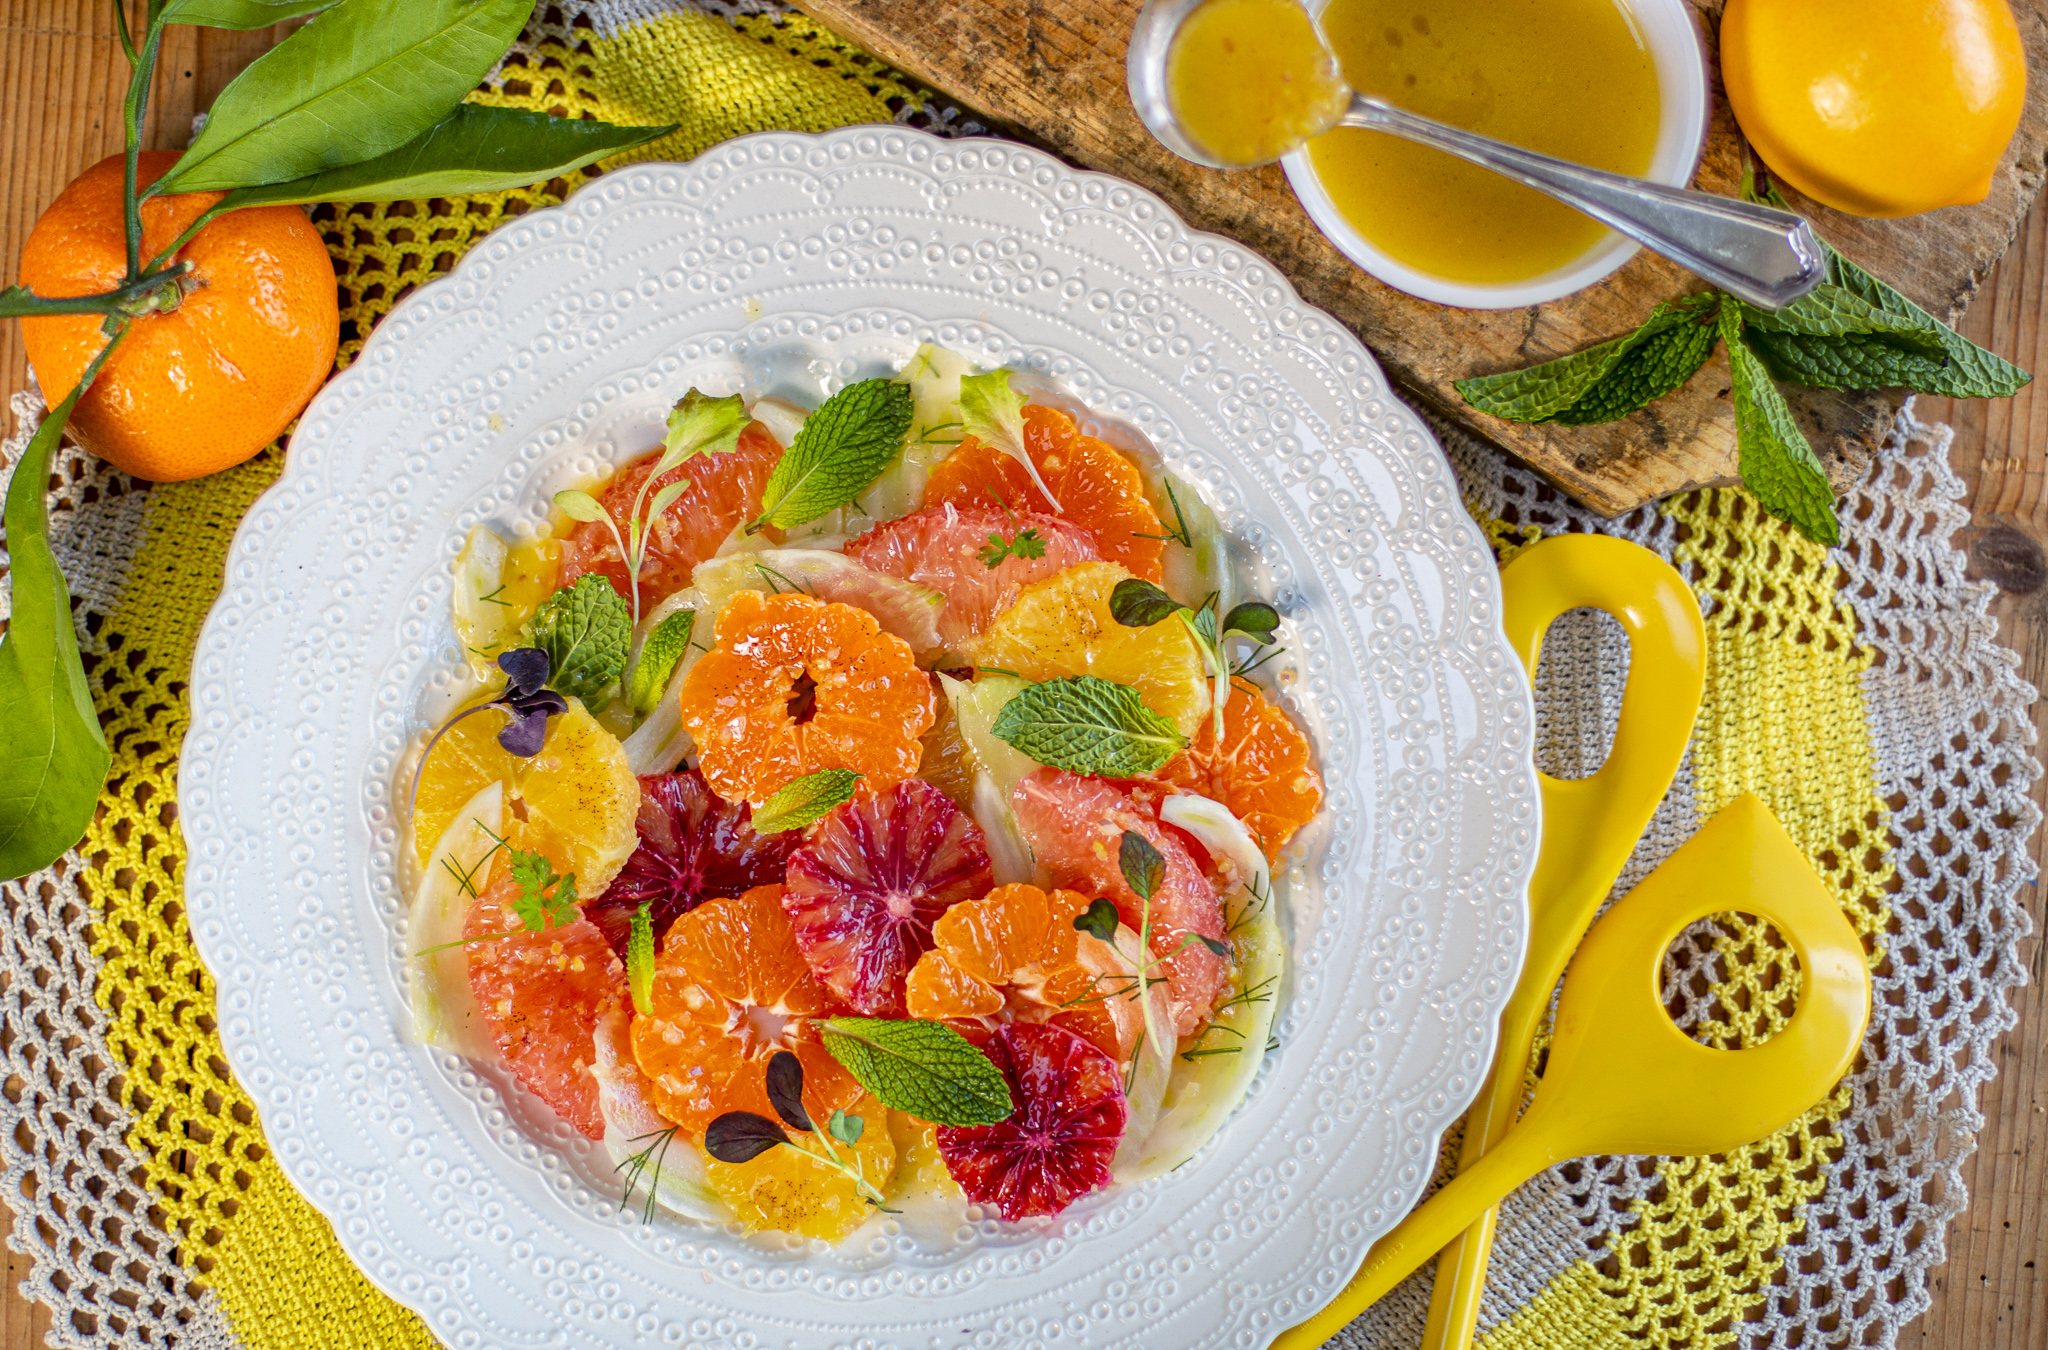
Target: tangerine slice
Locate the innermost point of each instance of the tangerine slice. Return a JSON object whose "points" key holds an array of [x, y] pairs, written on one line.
{"points": [[1260, 770], [1063, 626], [870, 881], [540, 996], [1056, 1146], [1099, 489], [694, 845], [943, 546], [1074, 826], [724, 492], [796, 684], [1015, 954], [730, 989]]}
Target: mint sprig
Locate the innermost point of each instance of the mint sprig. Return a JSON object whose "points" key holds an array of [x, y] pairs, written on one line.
{"points": [[804, 801], [925, 1069], [840, 449], [586, 633], [1852, 333], [658, 657], [1088, 725]]}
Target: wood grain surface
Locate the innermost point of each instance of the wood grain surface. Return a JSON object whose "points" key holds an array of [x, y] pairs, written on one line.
{"points": [[60, 90], [1053, 72]]}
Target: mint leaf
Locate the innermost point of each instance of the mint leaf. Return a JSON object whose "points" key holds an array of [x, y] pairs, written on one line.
{"points": [[1137, 603], [640, 958], [658, 657], [1830, 311], [1099, 920], [804, 800], [993, 413], [546, 899], [840, 449], [1143, 866], [1085, 724], [586, 631], [1773, 456], [702, 425], [1546, 392], [926, 1069]]}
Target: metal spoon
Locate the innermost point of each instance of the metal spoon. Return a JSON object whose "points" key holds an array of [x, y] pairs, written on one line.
{"points": [[1764, 256]]}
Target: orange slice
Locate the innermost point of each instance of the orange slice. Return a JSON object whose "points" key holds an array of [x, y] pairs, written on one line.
{"points": [[1261, 769]]}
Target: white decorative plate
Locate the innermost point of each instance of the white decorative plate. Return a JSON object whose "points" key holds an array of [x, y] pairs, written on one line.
{"points": [[552, 351]]}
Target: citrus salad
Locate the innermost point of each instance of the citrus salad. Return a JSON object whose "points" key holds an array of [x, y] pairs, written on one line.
{"points": [[862, 806]]}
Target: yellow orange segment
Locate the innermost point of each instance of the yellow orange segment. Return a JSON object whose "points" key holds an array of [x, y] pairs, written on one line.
{"points": [[796, 684], [1062, 626], [786, 1189], [1099, 489], [1262, 768], [730, 989]]}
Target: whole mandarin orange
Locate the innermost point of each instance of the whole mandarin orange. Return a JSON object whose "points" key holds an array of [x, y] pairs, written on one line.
{"points": [[205, 385]]}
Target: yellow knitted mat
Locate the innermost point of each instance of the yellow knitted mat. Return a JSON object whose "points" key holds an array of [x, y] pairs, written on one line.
{"points": [[1698, 1252]]}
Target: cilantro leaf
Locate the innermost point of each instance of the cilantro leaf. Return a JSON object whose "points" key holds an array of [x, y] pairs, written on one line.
{"points": [[804, 800], [838, 451], [658, 657], [546, 899], [1026, 544], [586, 631], [993, 413], [926, 1069], [1773, 456], [1608, 381], [1085, 724], [640, 958], [1099, 920]]}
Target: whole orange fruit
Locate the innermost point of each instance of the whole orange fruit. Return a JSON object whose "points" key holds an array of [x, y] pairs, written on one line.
{"points": [[211, 382], [1876, 107]]}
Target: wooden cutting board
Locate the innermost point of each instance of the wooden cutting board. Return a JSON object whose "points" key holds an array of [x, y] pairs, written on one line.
{"points": [[1052, 71]]}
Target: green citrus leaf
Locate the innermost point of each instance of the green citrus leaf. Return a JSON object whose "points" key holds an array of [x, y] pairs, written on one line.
{"points": [[926, 1069], [473, 149], [238, 14], [805, 800], [361, 79], [1772, 453], [840, 449], [1088, 725]]}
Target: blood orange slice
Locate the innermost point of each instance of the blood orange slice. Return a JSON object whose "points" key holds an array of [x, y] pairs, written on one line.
{"points": [[797, 684], [540, 996], [1098, 489], [1261, 768], [694, 846], [724, 492], [1057, 1144], [868, 884], [1075, 826], [947, 548]]}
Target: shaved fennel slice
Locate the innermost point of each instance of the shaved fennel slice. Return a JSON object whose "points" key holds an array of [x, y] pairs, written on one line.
{"points": [[444, 1010], [674, 1169], [1213, 1072], [997, 768], [1148, 1078]]}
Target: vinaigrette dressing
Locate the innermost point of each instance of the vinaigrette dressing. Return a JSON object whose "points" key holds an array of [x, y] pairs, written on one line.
{"points": [[1570, 78], [1250, 79]]}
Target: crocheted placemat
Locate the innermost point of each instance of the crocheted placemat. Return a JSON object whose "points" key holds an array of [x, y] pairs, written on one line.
{"points": [[1860, 691]]}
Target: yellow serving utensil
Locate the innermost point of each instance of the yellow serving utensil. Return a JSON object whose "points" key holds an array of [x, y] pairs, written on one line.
{"points": [[1621, 1078], [1590, 825]]}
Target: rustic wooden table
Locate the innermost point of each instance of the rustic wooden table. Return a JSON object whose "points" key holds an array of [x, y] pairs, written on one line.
{"points": [[61, 83]]}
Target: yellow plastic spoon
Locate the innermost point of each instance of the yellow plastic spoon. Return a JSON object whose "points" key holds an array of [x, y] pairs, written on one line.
{"points": [[1590, 826], [1622, 1079]]}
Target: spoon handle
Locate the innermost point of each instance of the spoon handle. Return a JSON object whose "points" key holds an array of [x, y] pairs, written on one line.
{"points": [[1765, 256]]}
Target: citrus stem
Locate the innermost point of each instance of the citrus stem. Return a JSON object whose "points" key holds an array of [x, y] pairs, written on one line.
{"points": [[131, 116], [121, 29], [18, 302], [205, 219]]}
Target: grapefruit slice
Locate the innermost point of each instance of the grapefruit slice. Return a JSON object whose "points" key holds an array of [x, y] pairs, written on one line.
{"points": [[870, 881], [724, 492], [947, 547], [694, 846], [1057, 1144], [540, 996], [1075, 825]]}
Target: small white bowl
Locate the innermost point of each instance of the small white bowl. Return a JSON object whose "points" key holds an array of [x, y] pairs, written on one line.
{"points": [[1667, 29]]}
